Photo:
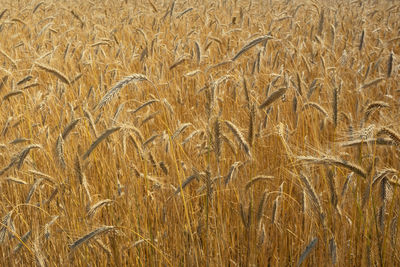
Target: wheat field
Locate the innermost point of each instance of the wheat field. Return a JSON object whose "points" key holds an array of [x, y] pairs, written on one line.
{"points": [[199, 133]]}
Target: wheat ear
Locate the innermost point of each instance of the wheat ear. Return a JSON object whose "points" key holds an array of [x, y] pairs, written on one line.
{"points": [[103, 136], [117, 87]]}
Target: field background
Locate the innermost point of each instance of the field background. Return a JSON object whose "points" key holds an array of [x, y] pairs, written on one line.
{"points": [[199, 133]]}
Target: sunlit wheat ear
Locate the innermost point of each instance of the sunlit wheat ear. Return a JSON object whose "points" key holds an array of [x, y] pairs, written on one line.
{"points": [[3, 12], [382, 174], [54, 72], [163, 167], [315, 106], [252, 121], [390, 65], [360, 46], [117, 88], [256, 179], [23, 154], [239, 137], [335, 106], [232, 173], [86, 238], [3, 81], [260, 235], [372, 83], [181, 128], [59, 150], [372, 107], [69, 128], [5, 224], [251, 44], [92, 124], [33, 189], [307, 251], [15, 180], [9, 58], [187, 181], [217, 138], [275, 207], [337, 162], [46, 177], [97, 206], [243, 216], [40, 259], [273, 97], [392, 134], [103, 136], [150, 140], [143, 106], [314, 197], [24, 238], [48, 225], [11, 94], [261, 206]]}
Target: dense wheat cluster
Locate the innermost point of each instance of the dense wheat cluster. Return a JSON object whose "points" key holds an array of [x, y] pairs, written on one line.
{"points": [[199, 133]]}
